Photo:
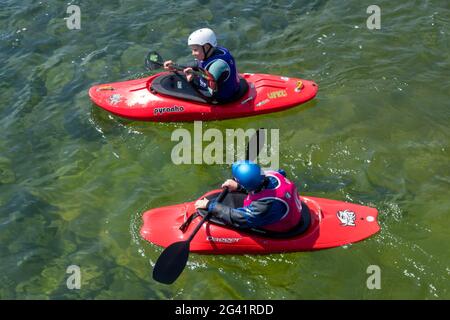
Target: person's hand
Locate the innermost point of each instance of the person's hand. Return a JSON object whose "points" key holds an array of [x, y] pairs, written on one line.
{"points": [[168, 65], [189, 74], [201, 204], [230, 184]]}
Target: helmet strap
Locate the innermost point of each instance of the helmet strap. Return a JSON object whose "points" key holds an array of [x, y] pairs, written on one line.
{"points": [[263, 185], [206, 52]]}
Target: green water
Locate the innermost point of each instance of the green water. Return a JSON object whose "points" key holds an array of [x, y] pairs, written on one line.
{"points": [[75, 180]]}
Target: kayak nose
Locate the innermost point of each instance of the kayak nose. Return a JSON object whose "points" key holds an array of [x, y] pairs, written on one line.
{"points": [[154, 219], [102, 94]]}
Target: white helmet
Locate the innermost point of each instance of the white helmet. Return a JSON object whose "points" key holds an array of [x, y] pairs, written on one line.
{"points": [[202, 36]]}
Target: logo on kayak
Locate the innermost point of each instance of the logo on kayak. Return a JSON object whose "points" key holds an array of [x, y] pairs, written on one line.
{"points": [[277, 94], [347, 218], [222, 240], [115, 98], [299, 86], [157, 111]]}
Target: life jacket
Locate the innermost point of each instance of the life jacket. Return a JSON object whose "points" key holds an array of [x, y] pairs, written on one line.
{"points": [[286, 193], [227, 86]]}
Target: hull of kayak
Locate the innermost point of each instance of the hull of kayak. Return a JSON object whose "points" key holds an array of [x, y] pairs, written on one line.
{"points": [[333, 224], [266, 94]]}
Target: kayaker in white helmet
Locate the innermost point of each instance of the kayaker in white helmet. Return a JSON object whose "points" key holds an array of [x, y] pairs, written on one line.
{"points": [[272, 202], [225, 82]]}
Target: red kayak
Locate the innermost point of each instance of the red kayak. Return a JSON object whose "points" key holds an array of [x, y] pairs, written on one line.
{"points": [[168, 97], [324, 224]]}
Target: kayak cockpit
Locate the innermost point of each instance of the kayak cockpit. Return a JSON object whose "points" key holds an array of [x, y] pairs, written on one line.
{"points": [[236, 200], [176, 85]]}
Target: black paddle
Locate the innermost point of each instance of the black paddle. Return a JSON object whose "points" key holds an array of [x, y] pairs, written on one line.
{"points": [[173, 259]]}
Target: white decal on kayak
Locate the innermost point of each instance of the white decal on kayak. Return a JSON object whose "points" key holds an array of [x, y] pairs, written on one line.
{"points": [[138, 97], [347, 218], [247, 100], [115, 98], [223, 240], [284, 78], [157, 111], [261, 103], [370, 219]]}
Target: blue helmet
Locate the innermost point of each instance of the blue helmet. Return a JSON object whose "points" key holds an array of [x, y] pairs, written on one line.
{"points": [[248, 174]]}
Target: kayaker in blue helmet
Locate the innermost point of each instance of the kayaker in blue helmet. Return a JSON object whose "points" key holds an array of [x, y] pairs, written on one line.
{"points": [[272, 202], [218, 61]]}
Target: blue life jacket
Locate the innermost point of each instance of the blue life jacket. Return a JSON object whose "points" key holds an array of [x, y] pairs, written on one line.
{"points": [[228, 83]]}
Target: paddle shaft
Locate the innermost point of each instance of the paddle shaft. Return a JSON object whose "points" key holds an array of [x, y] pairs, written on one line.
{"points": [[206, 217], [179, 68], [198, 226]]}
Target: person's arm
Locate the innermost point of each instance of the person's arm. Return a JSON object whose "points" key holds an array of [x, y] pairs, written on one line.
{"points": [[219, 69], [252, 216]]}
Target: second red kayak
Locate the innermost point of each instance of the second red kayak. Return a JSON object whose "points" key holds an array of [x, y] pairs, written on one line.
{"points": [[325, 224], [167, 97]]}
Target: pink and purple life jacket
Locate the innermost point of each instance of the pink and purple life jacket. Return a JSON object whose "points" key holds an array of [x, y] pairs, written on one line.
{"points": [[285, 192]]}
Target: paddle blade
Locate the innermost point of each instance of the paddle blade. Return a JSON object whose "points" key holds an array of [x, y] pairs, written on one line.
{"points": [[153, 61], [171, 262]]}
